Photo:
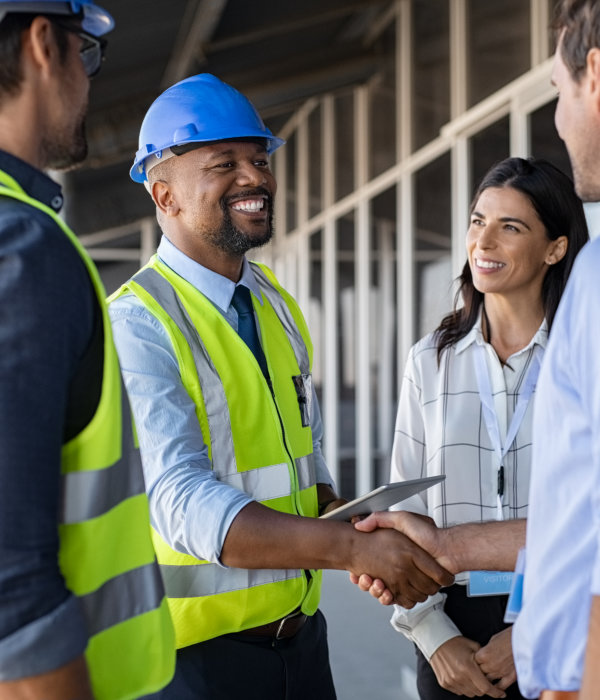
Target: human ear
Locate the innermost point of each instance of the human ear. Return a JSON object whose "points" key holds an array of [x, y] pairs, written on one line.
{"points": [[164, 198], [557, 250], [39, 45], [593, 74]]}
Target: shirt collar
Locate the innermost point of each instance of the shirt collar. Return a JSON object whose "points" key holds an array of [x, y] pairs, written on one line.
{"points": [[475, 335], [216, 287], [34, 182]]}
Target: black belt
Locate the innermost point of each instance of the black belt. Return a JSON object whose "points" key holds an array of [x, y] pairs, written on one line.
{"points": [[284, 628]]}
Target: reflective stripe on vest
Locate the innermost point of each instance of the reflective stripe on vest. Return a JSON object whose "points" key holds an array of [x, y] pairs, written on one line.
{"points": [[210, 579], [133, 593], [89, 494], [285, 316], [223, 458], [105, 552]]}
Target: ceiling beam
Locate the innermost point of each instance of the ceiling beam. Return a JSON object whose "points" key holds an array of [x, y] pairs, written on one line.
{"points": [[280, 28], [199, 23]]}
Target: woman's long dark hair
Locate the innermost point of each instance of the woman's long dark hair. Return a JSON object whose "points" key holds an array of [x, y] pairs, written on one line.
{"points": [[553, 197]]}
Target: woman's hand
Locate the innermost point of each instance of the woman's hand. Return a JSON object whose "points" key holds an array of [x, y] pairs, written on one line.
{"points": [[496, 659], [457, 671]]}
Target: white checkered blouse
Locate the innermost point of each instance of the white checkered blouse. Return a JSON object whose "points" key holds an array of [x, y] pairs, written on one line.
{"points": [[440, 429]]}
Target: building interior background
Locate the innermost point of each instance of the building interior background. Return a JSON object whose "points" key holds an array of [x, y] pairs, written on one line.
{"points": [[392, 112]]}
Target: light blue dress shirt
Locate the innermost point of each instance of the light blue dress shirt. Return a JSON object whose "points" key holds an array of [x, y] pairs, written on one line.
{"points": [[562, 570], [190, 508]]}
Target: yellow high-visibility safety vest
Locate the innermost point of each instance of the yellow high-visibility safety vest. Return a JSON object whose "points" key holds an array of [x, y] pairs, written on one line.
{"points": [[259, 440], [105, 550]]}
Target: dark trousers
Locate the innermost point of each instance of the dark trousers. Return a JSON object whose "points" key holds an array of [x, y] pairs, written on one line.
{"points": [[248, 667], [478, 618]]}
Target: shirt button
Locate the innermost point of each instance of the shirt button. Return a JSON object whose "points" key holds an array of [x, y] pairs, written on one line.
{"points": [[57, 202]]}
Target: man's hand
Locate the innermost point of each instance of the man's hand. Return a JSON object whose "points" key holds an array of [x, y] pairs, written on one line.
{"points": [[419, 528], [260, 537], [328, 499], [407, 572], [457, 670], [496, 659], [488, 546]]}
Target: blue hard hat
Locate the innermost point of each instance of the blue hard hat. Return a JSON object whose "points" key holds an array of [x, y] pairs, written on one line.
{"points": [[96, 20], [197, 110]]}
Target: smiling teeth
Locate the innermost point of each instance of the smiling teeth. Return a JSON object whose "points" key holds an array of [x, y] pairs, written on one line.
{"points": [[488, 265], [249, 205]]}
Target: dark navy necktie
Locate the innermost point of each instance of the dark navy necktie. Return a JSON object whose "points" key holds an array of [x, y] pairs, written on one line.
{"points": [[242, 303]]}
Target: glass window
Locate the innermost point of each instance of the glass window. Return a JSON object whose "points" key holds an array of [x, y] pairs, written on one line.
{"points": [[488, 147], [431, 70], [433, 243], [382, 107], [344, 144], [498, 46], [545, 141]]}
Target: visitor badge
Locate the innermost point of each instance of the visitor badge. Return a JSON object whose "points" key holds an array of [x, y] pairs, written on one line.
{"points": [[489, 583]]}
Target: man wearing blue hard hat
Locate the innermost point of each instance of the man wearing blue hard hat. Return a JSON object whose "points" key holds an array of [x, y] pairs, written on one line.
{"points": [[82, 607], [217, 361]]}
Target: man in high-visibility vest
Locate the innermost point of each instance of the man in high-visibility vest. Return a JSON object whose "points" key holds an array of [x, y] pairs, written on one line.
{"points": [[82, 607], [217, 360]]}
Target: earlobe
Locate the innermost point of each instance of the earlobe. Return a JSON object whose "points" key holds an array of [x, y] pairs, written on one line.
{"points": [[558, 251]]}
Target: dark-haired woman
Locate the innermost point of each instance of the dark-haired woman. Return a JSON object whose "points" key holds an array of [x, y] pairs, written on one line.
{"points": [[466, 407]]}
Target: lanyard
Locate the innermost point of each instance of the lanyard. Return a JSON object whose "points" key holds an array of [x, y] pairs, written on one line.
{"points": [[491, 418]]}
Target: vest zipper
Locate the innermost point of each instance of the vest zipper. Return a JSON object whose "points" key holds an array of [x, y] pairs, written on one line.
{"points": [[285, 444]]}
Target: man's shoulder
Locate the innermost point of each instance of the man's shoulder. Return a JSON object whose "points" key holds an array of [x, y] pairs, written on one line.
{"points": [[584, 280], [589, 257], [35, 247]]}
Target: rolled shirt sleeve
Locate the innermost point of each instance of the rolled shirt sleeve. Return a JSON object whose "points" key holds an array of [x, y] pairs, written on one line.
{"points": [[426, 625]]}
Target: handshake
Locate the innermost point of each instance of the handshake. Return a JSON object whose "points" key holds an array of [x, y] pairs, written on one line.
{"points": [[420, 558]]}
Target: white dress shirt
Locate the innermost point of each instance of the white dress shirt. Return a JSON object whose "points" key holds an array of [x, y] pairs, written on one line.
{"points": [[440, 429], [562, 569]]}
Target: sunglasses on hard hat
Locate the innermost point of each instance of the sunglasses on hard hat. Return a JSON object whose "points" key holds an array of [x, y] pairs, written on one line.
{"points": [[92, 49]]}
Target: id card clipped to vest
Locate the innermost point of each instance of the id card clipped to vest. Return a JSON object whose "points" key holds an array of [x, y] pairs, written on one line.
{"points": [[303, 386]]}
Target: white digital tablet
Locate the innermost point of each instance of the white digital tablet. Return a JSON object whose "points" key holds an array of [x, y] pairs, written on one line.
{"points": [[382, 498]]}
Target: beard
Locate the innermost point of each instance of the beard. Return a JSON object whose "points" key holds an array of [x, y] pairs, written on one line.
{"points": [[232, 240], [586, 187], [66, 149]]}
